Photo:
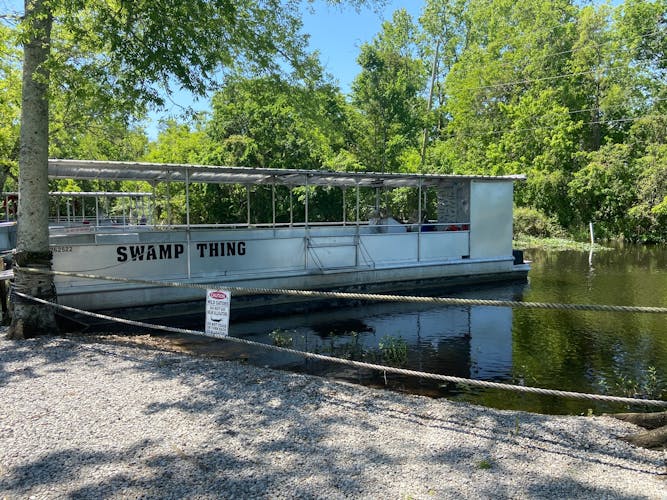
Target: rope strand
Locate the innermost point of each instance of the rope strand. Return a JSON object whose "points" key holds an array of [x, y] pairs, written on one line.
{"points": [[369, 296], [371, 366]]}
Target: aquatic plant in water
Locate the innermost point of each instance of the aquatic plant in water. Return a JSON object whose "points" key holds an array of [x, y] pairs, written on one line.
{"points": [[281, 338], [393, 351]]}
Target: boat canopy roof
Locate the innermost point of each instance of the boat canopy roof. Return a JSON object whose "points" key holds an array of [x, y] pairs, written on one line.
{"points": [[160, 172]]}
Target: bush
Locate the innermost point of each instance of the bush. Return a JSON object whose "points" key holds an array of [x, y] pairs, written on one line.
{"points": [[532, 222]]}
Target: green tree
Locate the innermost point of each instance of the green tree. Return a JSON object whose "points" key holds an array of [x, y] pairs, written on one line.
{"points": [[445, 31], [132, 49], [387, 95], [270, 122], [499, 84], [10, 102], [649, 215], [529, 97], [77, 127], [604, 189], [179, 143]]}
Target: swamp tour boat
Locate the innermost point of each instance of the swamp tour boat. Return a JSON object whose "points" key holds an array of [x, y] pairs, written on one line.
{"points": [[452, 230]]}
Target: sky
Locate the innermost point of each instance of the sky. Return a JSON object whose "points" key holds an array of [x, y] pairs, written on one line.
{"points": [[339, 33]]}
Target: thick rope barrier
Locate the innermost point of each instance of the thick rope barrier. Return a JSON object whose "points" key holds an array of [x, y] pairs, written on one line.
{"points": [[366, 296], [360, 364]]}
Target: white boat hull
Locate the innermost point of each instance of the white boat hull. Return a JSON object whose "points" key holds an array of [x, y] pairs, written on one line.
{"points": [[326, 258]]}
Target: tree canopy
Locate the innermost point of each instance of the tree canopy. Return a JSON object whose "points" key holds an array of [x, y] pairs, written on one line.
{"points": [[576, 101], [111, 60]]}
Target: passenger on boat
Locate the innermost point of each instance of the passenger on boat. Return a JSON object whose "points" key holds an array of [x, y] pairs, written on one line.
{"points": [[382, 222], [426, 226]]}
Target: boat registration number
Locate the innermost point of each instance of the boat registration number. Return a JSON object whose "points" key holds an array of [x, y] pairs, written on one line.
{"points": [[61, 249]]}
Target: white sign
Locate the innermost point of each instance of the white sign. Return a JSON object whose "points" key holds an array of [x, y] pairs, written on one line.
{"points": [[217, 312]]}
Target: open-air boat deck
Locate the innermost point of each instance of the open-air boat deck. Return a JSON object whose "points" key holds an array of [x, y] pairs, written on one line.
{"points": [[459, 231]]}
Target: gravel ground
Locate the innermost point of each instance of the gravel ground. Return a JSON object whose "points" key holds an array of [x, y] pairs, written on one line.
{"points": [[107, 418]]}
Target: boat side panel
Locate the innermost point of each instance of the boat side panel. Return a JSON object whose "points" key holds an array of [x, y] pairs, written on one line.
{"points": [[490, 219], [331, 252], [233, 253], [444, 245], [388, 248]]}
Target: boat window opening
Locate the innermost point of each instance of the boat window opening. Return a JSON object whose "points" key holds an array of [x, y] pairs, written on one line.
{"points": [[153, 207], [356, 214], [9, 206]]}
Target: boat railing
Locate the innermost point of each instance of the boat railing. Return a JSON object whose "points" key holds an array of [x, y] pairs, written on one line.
{"points": [[66, 229], [87, 225], [83, 225]]}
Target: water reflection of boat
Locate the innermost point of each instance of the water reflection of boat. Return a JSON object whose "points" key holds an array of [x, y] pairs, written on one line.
{"points": [[470, 342], [464, 237]]}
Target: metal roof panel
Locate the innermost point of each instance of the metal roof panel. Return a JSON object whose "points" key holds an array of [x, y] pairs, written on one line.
{"points": [[157, 172]]}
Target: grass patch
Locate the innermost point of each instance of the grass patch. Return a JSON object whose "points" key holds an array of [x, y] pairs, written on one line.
{"points": [[485, 464], [523, 242]]}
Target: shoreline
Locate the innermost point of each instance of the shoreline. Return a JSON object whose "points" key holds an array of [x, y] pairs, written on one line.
{"points": [[103, 416]]}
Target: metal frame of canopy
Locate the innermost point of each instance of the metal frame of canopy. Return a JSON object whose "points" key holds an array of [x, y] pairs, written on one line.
{"points": [[190, 173], [132, 195]]}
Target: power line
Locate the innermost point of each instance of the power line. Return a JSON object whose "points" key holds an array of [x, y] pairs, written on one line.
{"points": [[576, 111], [547, 78], [571, 51], [533, 129]]}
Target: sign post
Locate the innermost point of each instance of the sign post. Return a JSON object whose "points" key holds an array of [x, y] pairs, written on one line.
{"points": [[217, 312]]}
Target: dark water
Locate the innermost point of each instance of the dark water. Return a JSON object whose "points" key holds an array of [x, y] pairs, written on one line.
{"points": [[600, 352]]}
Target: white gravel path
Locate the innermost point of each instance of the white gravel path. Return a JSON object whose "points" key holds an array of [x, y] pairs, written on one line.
{"points": [[103, 418]]}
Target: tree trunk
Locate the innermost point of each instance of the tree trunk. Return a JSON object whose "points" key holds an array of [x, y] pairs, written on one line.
{"points": [[646, 420], [655, 437], [429, 105], [30, 319]]}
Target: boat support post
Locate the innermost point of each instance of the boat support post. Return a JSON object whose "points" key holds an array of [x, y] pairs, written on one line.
{"points": [[153, 202], [291, 207], [187, 220], [419, 220], [273, 204], [306, 239], [247, 204], [356, 236]]}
